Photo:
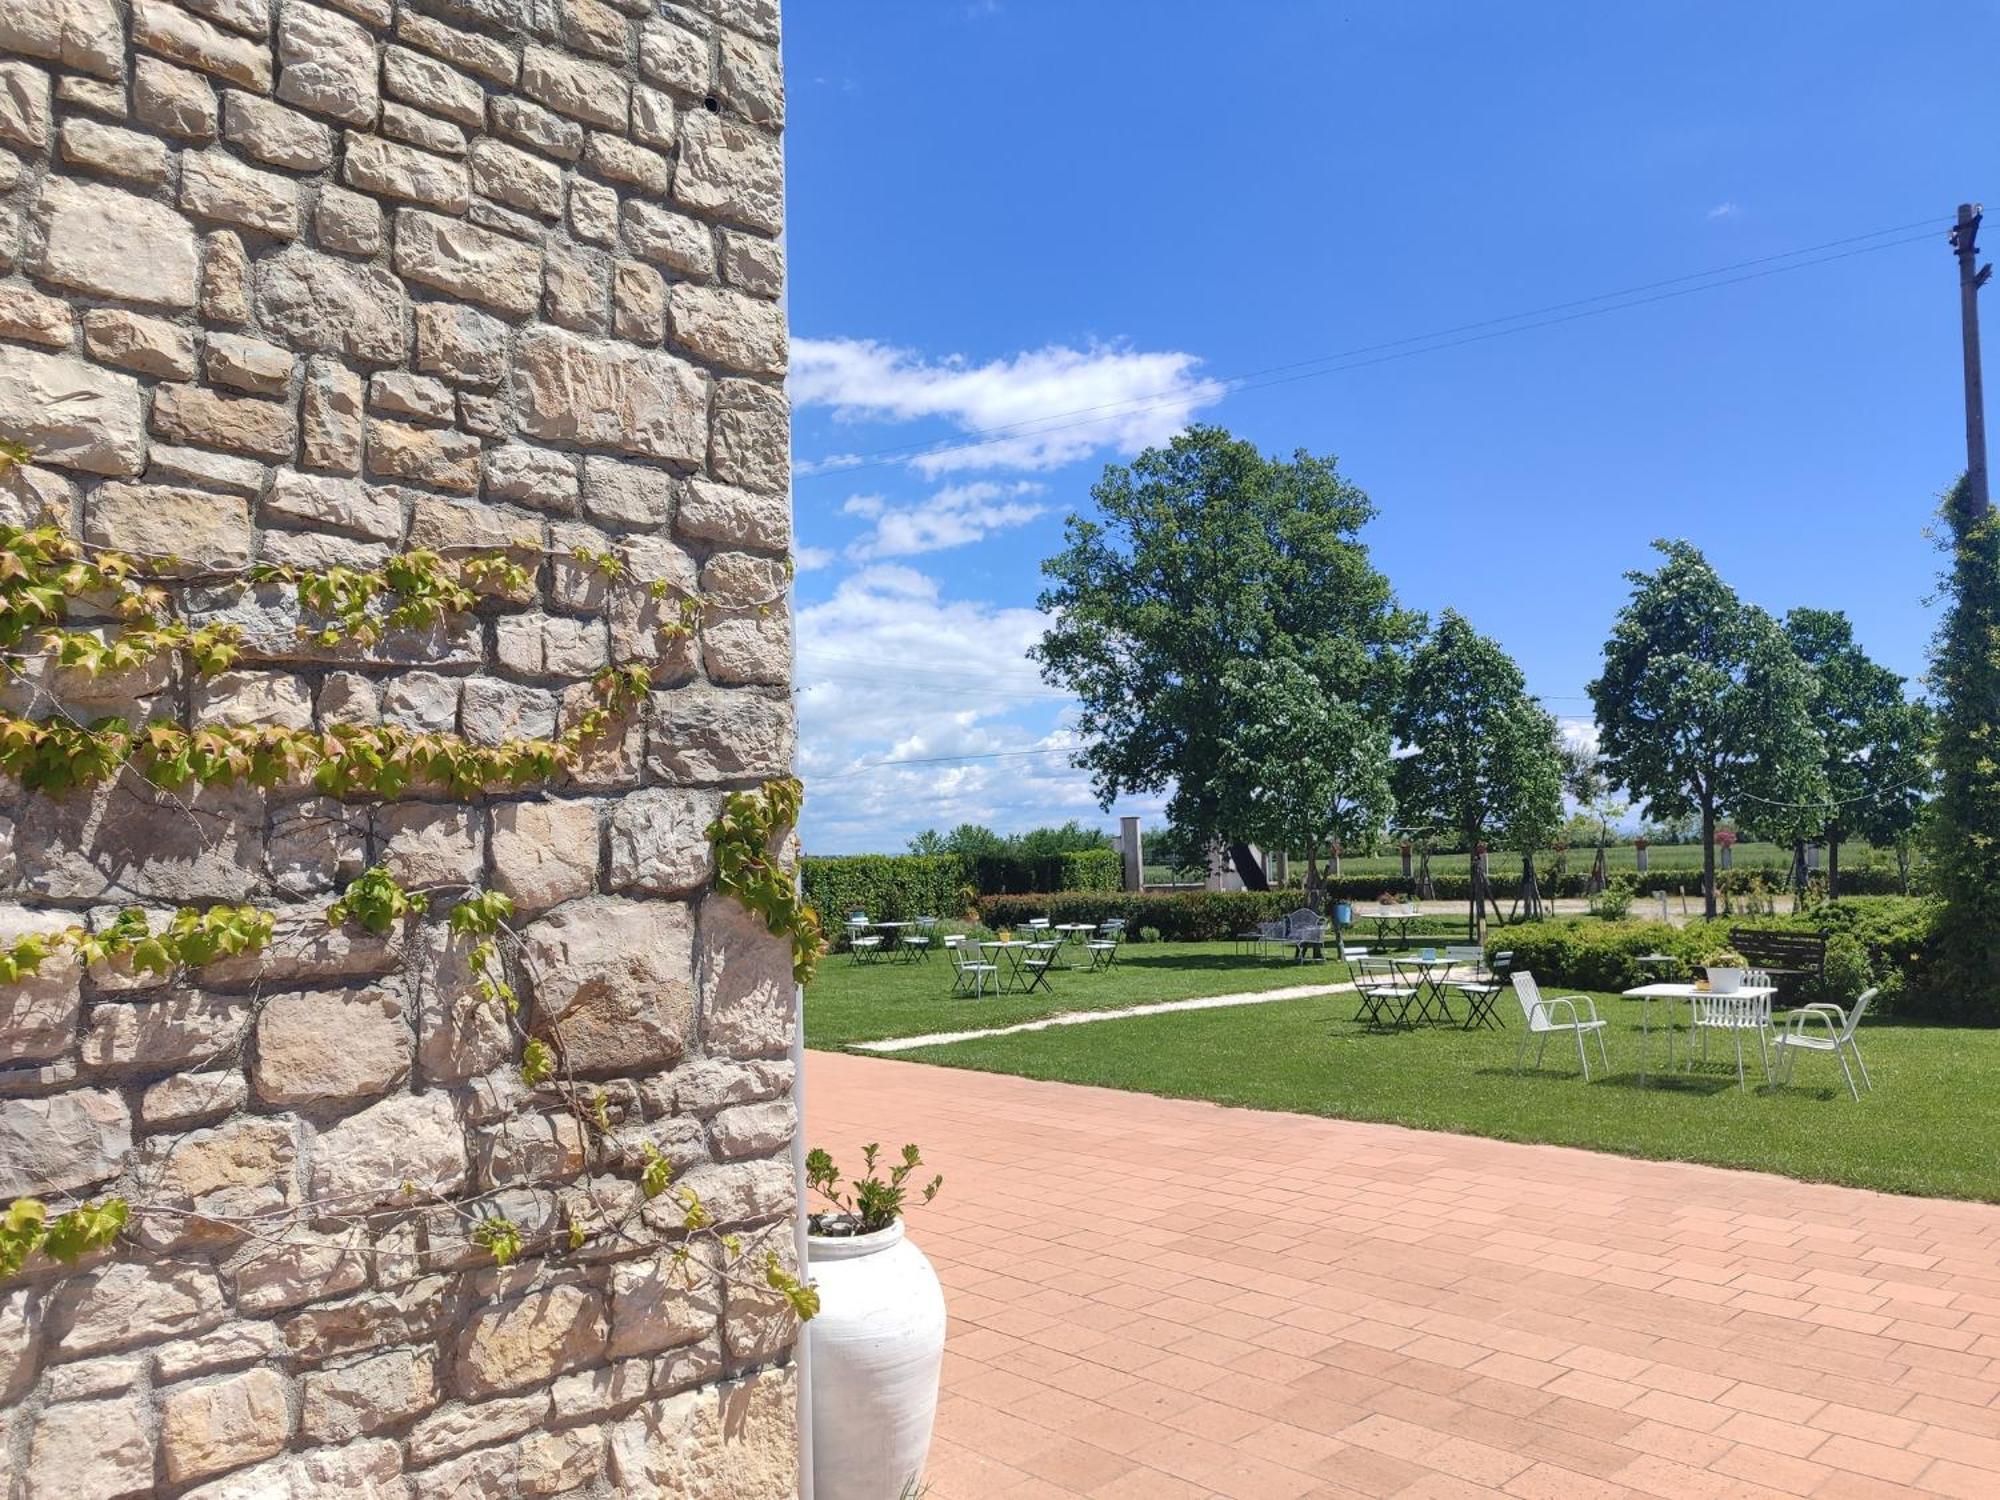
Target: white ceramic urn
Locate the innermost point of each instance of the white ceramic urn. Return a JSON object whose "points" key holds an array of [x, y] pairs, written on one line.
{"points": [[876, 1343]]}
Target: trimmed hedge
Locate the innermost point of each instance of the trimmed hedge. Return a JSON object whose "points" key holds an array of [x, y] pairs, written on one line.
{"points": [[889, 887], [1080, 870], [1180, 917], [1880, 941]]}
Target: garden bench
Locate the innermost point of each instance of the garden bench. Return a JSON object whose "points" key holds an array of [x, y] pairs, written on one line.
{"points": [[1787, 957]]}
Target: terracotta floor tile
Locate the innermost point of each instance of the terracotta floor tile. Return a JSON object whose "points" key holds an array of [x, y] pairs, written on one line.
{"points": [[1214, 1302]]}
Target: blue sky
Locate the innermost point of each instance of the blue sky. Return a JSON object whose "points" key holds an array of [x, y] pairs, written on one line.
{"points": [[1005, 213]]}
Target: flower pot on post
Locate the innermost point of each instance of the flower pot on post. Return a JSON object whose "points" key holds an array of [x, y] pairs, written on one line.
{"points": [[877, 1342]]}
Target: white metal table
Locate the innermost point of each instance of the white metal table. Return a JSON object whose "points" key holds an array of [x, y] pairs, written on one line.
{"points": [[1670, 993]]}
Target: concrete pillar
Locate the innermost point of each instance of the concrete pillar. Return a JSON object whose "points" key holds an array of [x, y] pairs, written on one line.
{"points": [[1133, 844]]}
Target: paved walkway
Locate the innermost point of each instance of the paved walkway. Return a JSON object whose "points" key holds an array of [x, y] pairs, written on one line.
{"points": [[1162, 1300], [1091, 1017]]}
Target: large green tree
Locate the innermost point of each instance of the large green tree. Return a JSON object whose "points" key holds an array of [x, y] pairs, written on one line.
{"points": [[1302, 769], [1868, 730], [1703, 709], [1200, 556], [1480, 757]]}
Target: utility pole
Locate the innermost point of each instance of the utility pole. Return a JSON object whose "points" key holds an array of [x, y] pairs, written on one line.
{"points": [[1971, 277]]}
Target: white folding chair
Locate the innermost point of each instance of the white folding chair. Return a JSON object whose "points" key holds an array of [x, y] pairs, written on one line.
{"points": [[1103, 947], [969, 970], [863, 945], [1839, 1039], [917, 940], [1381, 986], [1544, 1018]]}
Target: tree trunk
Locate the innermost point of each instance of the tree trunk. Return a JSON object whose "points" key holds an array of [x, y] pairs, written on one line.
{"points": [[1903, 869], [1477, 925], [1798, 871], [1531, 892], [1312, 878], [1598, 878], [1708, 855], [1248, 866], [1425, 891]]}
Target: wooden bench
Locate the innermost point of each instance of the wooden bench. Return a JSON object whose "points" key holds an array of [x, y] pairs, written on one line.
{"points": [[1787, 957]]}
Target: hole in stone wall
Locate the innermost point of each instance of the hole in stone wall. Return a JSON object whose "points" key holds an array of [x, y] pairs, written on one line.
{"points": [[712, 104]]}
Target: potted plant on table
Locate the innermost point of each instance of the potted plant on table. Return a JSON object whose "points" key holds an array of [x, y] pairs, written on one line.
{"points": [[878, 1340]]}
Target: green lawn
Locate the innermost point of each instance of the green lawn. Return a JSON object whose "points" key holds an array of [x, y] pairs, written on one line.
{"points": [[849, 1002], [1929, 1127]]}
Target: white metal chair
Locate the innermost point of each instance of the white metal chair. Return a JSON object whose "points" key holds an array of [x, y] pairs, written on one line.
{"points": [[969, 970], [865, 946], [1103, 946], [1382, 988], [1543, 1018], [1735, 1014], [916, 942], [1839, 1039]]}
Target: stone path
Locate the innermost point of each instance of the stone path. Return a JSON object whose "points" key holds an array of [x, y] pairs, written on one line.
{"points": [[1085, 1017], [1162, 1300]]}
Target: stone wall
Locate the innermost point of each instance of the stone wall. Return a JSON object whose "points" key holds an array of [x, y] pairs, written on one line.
{"points": [[312, 284]]}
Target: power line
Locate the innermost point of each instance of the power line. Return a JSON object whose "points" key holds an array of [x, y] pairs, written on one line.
{"points": [[943, 760], [1348, 359]]}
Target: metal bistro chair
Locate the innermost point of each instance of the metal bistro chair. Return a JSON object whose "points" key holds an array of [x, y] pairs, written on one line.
{"points": [[1038, 962], [1543, 1018], [863, 945], [1482, 990], [1103, 948], [1839, 1040], [917, 941], [1380, 985], [970, 972]]}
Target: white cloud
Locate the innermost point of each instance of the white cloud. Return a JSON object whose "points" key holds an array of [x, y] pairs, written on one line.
{"points": [[1726, 210], [1038, 409], [890, 669], [954, 516], [1577, 731], [809, 559]]}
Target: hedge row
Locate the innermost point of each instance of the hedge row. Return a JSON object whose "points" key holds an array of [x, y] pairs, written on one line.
{"points": [[1182, 917], [1081, 870], [889, 887], [1871, 941]]}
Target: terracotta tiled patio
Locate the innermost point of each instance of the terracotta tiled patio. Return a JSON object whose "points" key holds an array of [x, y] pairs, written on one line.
{"points": [[1154, 1299]]}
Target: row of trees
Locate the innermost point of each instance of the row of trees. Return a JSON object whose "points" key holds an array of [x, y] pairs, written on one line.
{"points": [[976, 841], [1231, 641]]}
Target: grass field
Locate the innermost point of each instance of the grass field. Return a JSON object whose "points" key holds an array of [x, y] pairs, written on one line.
{"points": [[1927, 1127], [850, 1002]]}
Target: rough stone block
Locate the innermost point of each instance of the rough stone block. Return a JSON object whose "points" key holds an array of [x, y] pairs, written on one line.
{"points": [[38, 1014], [97, 1448], [192, 1098], [331, 412], [512, 1346], [248, 364], [750, 79], [210, 1429], [333, 306], [62, 1143], [87, 230], [460, 343], [660, 1302], [272, 133], [295, 1066], [241, 424], [722, 514], [675, 57], [731, 170], [112, 151], [615, 978], [745, 971], [189, 1027], [70, 413], [467, 261], [424, 844], [380, 166], [608, 395], [728, 328], [704, 734], [202, 531], [215, 185], [347, 222], [368, 1396], [366, 1158], [300, 1268], [225, 278], [127, 1303], [326, 64], [443, 459], [174, 101], [544, 853], [740, 1441], [572, 86], [659, 841], [241, 1168], [183, 38]]}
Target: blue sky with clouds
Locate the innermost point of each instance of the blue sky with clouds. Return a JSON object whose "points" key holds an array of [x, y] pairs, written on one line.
{"points": [[1029, 237]]}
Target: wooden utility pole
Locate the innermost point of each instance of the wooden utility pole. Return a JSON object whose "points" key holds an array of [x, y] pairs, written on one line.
{"points": [[1971, 277]]}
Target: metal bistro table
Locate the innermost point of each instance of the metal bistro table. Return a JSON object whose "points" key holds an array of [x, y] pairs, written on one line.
{"points": [[1428, 982], [1073, 934], [1648, 993], [1401, 916], [1012, 964], [892, 934]]}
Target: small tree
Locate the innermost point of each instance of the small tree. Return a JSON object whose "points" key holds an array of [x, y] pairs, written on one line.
{"points": [[1865, 723], [1302, 769], [1703, 708], [1481, 756], [1903, 765]]}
